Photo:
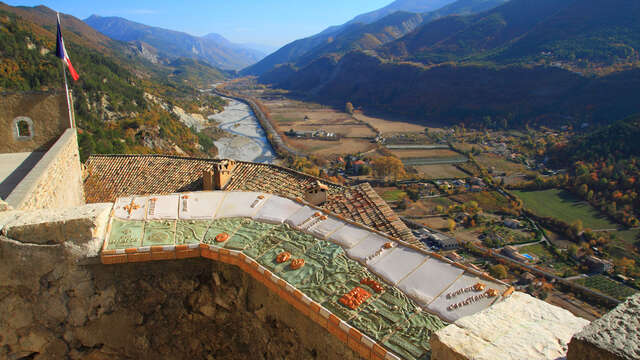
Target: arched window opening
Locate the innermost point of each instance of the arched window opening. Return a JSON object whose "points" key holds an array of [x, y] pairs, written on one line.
{"points": [[24, 130]]}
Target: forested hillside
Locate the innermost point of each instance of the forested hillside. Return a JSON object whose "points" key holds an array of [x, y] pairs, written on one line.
{"points": [[605, 168], [112, 112], [547, 62], [368, 32]]}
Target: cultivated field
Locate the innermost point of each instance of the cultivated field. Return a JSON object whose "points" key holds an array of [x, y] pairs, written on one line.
{"points": [[391, 194], [426, 154], [327, 148], [442, 171], [390, 126], [565, 206], [607, 286], [290, 114], [501, 165], [488, 200]]}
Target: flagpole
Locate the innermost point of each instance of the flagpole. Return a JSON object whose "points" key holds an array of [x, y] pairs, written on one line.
{"points": [[66, 89]]}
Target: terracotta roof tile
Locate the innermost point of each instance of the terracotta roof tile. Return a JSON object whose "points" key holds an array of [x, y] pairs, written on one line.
{"points": [[111, 176]]}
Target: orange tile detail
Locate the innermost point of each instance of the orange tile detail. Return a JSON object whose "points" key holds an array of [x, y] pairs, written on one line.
{"points": [[334, 320], [355, 298], [509, 291], [207, 253], [188, 254], [355, 334], [157, 248], [363, 350], [164, 255], [139, 257], [182, 247], [131, 250], [379, 351], [114, 259], [336, 331]]}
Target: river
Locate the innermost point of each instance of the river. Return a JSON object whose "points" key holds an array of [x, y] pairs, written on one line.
{"points": [[249, 141]]}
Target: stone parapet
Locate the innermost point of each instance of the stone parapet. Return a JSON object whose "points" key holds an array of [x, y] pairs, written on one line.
{"points": [[615, 336], [81, 229], [55, 181], [520, 327]]}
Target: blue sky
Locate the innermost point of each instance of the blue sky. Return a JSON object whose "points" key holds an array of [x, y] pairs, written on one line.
{"points": [[271, 22]]}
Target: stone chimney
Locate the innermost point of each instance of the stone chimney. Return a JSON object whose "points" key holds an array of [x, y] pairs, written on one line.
{"points": [[207, 180], [222, 173], [316, 194]]}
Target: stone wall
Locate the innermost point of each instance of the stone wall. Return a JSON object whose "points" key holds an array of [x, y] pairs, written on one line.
{"points": [[46, 111], [55, 181], [520, 327], [615, 336], [59, 304]]}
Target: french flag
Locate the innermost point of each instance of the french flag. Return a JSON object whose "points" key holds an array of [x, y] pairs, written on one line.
{"points": [[61, 52]]}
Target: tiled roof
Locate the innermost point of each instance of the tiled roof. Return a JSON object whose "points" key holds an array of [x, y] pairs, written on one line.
{"points": [[111, 176]]}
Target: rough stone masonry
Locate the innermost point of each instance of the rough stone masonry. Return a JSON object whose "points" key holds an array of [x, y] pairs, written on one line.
{"points": [[59, 304]]}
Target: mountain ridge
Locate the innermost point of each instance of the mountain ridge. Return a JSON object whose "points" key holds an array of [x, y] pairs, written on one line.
{"points": [[363, 35], [212, 48]]}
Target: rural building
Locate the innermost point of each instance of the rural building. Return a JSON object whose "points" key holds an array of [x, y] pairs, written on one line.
{"points": [[444, 242], [513, 253], [598, 265], [512, 223]]}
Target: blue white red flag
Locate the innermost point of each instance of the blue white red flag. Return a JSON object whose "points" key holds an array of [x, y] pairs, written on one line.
{"points": [[61, 52]]}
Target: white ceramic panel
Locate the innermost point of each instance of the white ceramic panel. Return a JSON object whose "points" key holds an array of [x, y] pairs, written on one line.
{"points": [[277, 209], [301, 217], [200, 205], [131, 208], [326, 227], [162, 207], [397, 264], [367, 247], [441, 303], [348, 236], [429, 281], [241, 204]]}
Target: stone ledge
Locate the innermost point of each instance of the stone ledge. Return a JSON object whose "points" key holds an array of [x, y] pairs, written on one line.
{"points": [[520, 327], [615, 336], [81, 230]]}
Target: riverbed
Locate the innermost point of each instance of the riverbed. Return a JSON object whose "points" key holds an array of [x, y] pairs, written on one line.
{"points": [[248, 141]]}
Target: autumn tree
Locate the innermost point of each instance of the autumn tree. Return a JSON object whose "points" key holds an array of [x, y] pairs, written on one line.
{"points": [[388, 166], [498, 271], [625, 265], [451, 225]]}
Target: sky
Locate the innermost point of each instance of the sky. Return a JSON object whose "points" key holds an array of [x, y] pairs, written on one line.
{"points": [[267, 22]]}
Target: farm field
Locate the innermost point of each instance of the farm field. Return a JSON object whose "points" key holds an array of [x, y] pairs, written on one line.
{"points": [[561, 204], [441, 171], [607, 286], [327, 148], [490, 201], [390, 126], [344, 130], [290, 114], [501, 165], [391, 194], [426, 154]]}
